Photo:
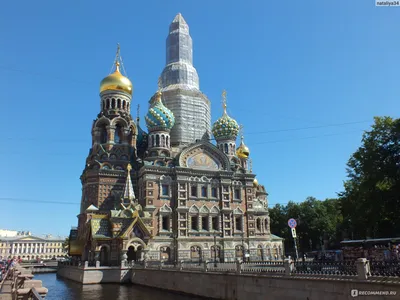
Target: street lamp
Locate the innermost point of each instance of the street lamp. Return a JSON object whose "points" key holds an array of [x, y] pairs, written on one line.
{"points": [[215, 249]]}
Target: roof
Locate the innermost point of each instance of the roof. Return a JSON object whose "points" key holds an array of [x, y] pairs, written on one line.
{"points": [[33, 238], [275, 237]]}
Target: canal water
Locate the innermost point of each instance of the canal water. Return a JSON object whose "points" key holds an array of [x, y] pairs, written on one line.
{"points": [[64, 289]]}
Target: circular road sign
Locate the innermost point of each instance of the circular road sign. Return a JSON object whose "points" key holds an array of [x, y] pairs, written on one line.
{"points": [[292, 223]]}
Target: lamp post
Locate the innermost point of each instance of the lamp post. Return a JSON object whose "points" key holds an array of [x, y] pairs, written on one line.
{"points": [[215, 249], [243, 255]]}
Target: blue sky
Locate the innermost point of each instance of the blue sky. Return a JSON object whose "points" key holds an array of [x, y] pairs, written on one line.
{"points": [[291, 69]]}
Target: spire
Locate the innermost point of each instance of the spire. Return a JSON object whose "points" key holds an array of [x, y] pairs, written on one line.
{"points": [[179, 42], [128, 192]]}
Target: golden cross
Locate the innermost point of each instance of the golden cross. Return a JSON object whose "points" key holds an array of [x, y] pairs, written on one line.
{"points": [[117, 54], [224, 100], [129, 167]]}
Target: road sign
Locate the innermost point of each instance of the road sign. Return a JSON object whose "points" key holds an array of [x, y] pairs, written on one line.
{"points": [[292, 223], [294, 233]]}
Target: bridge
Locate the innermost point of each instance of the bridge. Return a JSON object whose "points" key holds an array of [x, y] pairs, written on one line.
{"points": [[46, 267]]}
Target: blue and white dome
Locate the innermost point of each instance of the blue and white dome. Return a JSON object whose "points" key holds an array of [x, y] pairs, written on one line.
{"points": [[159, 117]]}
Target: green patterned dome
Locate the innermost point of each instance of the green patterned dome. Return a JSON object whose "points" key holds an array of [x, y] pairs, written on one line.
{"points": [[159, 117], [225, 127]]}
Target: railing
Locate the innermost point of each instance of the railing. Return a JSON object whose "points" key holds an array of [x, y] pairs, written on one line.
{"points": [[34, 295], [385, 268], [326, 268]]}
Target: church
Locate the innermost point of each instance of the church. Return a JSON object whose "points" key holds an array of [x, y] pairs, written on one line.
{"points": [[169, 192]]}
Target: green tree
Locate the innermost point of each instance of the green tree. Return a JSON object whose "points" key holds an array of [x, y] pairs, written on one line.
{"points": [[371, 198]]}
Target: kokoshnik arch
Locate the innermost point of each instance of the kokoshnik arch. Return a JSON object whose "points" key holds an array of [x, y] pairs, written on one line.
{"points": [[169, 193]]}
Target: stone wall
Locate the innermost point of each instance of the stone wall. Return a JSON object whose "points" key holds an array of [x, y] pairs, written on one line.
{"points": [[244, 287], [93, 275]]}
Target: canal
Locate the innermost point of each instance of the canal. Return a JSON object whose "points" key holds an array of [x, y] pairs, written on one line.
{"points": [[63, 289]]}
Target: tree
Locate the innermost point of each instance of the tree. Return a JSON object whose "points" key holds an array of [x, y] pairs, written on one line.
{"points": [[371, 197]]}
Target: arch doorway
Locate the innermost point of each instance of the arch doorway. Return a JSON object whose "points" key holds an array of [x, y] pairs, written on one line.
{"points": [[134, 254], [104, 256]]}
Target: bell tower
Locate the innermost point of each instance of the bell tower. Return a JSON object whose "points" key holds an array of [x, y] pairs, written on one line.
{"points": [[113, 143]]}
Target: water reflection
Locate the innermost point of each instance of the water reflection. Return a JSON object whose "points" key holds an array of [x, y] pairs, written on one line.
{"points": [[63, 289]]}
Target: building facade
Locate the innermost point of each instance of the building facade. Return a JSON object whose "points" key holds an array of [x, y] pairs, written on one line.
{"points": [[27, 247], [169, 193]]}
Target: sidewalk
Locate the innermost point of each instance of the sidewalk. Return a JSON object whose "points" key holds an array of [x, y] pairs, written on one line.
{"points": [[5, 293]]}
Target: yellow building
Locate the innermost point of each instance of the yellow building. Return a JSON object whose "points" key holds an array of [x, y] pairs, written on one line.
{"points": [[28, 247]]}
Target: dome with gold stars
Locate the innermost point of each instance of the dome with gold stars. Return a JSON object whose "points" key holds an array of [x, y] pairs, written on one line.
{"points": [[116, 82], [225, 127], [159, 117]]}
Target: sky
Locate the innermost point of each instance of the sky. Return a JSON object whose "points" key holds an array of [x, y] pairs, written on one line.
{"points": [[305, 78]]}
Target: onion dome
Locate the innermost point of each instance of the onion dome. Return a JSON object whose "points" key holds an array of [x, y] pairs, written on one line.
{"points": [[255, 182], [242, 151], [116, 82], [225, 127], [159, 117]]}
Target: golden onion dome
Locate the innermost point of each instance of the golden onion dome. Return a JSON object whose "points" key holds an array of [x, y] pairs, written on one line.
{"points": [[255, 182], [242, 151], [116, 82]]}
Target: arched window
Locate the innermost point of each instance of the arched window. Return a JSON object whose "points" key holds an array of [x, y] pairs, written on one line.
{"points": [[157, 140], [118, 134], [266, 224], [113, 103], [258, 224], [226, 148], [103, 135], [153, 141], [119, 103], [162, 141], [108, 103], [104, 105], [167, 142], [127, 106], [124, 104]]}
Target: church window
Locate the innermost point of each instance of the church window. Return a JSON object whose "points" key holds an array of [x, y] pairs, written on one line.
{"points": [[237, 193], [118, 134], [195, 223], [108, 103], [157, 140], [167, 142], [127, 107], [104, 105], [165, 190], [204, 191], [112, 103], [165, 223], [119, 103], [266, 224], [258, 224], [226, 148], [162, 141], [204, 223], [124, 104], [214, 192], [193, 191], [238, 223], [103, 135], [215, 223]]}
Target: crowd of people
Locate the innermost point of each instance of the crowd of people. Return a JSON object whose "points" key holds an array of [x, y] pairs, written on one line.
{"points": [[5, 265]]}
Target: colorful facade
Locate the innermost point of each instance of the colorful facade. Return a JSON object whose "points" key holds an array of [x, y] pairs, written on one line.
{"points": [[169, 193]]}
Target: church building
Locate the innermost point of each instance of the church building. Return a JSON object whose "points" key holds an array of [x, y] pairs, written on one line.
{"points": [[169, 193]]}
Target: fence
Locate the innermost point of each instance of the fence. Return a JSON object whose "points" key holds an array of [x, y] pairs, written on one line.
{"points": [[360, 269]]}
